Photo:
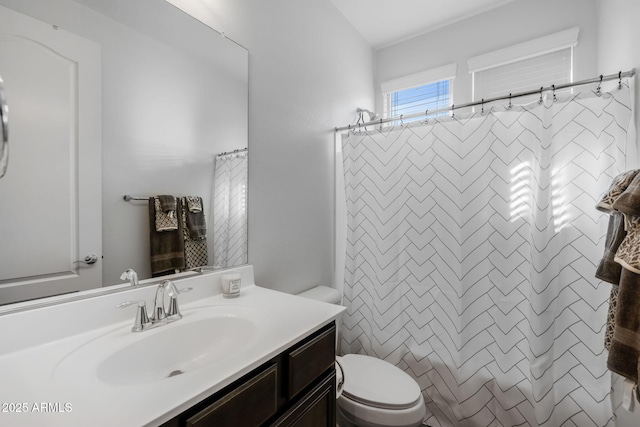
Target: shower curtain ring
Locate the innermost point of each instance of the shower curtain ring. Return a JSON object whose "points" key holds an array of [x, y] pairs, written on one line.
{"points": [[620, 80], [599, 88], [426, 116], [540, 101], [482, 103], [380, 124], [510, 106], [453, 113], [554, 93], [401, 122]]}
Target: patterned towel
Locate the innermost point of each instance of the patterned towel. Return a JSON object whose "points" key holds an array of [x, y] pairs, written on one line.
{"points": [[629, 201], [195, 250], [617, 187], [165, 213], [194, 203]]}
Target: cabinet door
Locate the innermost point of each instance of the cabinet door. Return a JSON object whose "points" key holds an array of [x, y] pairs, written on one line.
{"points": [[251, 404], [316, 409]]}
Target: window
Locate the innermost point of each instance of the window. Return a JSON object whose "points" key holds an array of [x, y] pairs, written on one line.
{"points": [[416, 93], [526, 66], [431, 96], [520, 76]]}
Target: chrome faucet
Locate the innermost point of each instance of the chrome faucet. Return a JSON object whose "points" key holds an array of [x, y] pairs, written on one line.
{"points": [[161, 315], [131, 276]]}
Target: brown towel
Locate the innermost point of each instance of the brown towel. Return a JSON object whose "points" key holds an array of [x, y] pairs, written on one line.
{"points": [[166, 247], [609, 270], [167, 203], [195, 221], [629, 201], [624, 354], [195, 250]]}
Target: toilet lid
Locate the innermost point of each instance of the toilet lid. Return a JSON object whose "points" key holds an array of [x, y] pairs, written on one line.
{"points": [[374, 382]]}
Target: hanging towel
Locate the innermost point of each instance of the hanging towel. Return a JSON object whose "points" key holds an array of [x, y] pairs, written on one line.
{"points": [[619, 184], [166, 247], [195, 250], [165, 213], [194, 203], [195, 222], [609, 270], [624, 353], [628, 202], [628, 253]]}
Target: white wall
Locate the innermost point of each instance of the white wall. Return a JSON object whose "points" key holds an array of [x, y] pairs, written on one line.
{"points": [[511, 24], [308, 71], [618, 38]]}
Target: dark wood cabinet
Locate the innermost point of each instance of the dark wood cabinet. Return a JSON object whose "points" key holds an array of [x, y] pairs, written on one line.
{"points": [[297, 388]]}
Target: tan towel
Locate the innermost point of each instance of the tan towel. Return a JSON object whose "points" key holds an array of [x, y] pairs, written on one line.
{"points": [[166, 247], [624, 353]]}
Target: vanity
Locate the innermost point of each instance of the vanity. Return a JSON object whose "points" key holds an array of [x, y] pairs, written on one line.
{"points": [[263, 358]]}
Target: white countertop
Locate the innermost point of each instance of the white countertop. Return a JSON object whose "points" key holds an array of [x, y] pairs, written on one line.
{"points": [[30, 380]]}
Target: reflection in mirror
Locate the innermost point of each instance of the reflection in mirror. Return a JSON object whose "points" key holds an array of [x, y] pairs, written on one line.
{"points": [[111, 98]]}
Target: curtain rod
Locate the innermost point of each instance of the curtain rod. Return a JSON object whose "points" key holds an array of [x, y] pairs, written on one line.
{"points": [[598, 79], [239, 150]]}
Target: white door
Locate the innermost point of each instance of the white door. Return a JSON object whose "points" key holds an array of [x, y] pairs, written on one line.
{"points": [[50, 197]]}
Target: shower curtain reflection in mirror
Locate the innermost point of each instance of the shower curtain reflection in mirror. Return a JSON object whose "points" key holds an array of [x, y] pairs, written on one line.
{"points": [[229, 209], [472, 245]]}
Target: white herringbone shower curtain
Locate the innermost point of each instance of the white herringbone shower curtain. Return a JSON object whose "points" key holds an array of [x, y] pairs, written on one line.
{"points": [[471, 249], [229, 208]]}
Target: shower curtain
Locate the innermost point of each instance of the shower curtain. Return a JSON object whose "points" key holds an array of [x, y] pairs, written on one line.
{"points": [[472, 244], [229, 207]]}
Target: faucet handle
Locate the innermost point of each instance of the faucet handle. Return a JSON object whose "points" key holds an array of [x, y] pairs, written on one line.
{"points": [[130, 275], [173, 312], [142, 320]]}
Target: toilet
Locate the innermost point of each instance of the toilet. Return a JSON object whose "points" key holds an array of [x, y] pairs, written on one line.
{"points": [[371, 391]]}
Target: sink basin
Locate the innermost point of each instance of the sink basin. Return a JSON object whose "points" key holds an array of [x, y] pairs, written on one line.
{"points": [[200, 339], [173, 351]]}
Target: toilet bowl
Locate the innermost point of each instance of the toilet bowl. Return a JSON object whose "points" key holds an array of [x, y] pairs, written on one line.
{"points": [[373, 392]]}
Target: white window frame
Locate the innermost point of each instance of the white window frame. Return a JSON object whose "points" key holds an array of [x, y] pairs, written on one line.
{"points": [[434, 75]]}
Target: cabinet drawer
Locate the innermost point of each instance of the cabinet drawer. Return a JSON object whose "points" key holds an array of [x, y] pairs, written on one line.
{"points": [[310, 360], [251, 404]]}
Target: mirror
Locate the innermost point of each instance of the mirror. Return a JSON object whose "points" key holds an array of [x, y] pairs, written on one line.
{"points": [[130, 98]]}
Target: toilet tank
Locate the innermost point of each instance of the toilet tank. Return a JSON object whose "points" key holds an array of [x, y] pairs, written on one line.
{"points": [[323, 293]]}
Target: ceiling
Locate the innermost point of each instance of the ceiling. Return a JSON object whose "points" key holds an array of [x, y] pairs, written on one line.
{"points": [[384, 22]]}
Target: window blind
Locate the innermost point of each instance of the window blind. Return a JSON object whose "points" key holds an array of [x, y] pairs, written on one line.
{"points": [[528, 74]]}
